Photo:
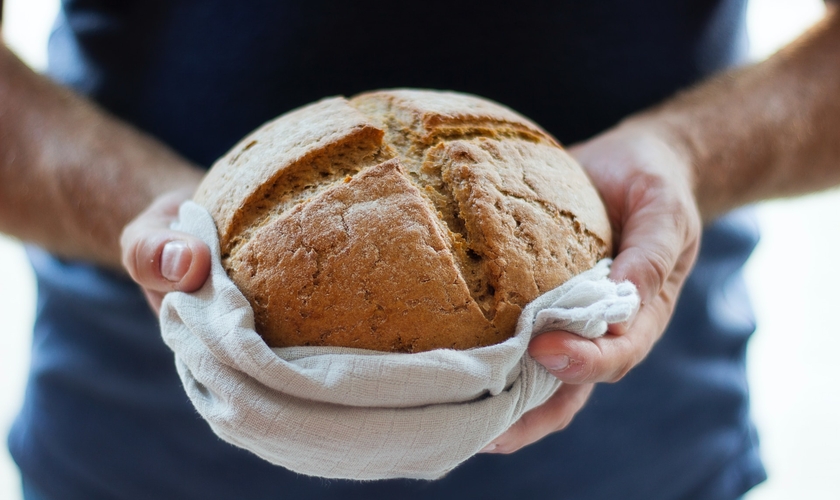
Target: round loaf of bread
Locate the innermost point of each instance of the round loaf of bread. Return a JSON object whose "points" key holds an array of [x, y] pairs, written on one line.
{"points": [[402, 221]]}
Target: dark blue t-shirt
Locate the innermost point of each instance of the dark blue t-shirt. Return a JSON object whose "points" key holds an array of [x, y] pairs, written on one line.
{"points": [[105, 415]]}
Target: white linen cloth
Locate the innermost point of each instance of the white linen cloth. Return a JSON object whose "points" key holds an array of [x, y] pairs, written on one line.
{"points": [[357, 414]]}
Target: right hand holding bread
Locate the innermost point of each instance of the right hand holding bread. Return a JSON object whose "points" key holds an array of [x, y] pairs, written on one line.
{"points": [[646, 182]]}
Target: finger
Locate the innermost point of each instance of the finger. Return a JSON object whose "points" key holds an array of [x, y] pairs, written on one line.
{"points": [[659, 232], [160, 259], [552, 416], [577, 360], [163, 260]]}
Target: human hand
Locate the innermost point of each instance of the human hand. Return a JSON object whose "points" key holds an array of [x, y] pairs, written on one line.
{"points": [[646, 182], [160, 259]]}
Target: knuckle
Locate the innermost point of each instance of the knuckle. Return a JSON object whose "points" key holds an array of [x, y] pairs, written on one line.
{"points": [[629, 353], [686, 220], [651, 191], [649, 269], [622, 370], [634, 351], [657, 268], [589, 370], [643, 191]]}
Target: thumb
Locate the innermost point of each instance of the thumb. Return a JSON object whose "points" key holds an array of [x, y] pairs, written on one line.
{"points": [[161, 259]]}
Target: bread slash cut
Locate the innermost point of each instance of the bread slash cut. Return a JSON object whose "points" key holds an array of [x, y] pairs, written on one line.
{"points": [[400, 221]]}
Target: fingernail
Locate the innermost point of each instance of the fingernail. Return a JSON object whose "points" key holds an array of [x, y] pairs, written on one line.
{"points": [[175, 260], [555, 363], [487, 449]]}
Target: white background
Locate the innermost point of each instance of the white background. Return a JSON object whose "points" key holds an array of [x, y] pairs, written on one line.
{"points": [[793, 277]]}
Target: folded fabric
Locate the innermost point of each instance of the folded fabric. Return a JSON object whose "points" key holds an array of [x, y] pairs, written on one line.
{"points": [[357, 414]]}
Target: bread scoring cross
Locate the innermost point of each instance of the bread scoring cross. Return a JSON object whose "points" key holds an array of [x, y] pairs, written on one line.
{"points": [[400, 221]]}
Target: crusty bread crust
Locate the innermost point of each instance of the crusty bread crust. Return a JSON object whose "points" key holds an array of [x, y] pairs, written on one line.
{"points": [[400, 220]]}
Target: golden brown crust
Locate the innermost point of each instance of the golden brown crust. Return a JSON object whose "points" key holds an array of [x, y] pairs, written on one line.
{"points": [[351, 243], [401, 221], [237, 188]]}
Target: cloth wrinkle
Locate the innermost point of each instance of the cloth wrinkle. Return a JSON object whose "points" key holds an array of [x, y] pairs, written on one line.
{"points": [[355, 414]]}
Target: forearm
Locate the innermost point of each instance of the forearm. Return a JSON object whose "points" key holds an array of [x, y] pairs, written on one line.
{"points": [[72, 176], [764, 131]]}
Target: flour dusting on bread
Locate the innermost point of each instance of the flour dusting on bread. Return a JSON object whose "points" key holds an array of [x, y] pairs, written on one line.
{"points": [[403, 221]]}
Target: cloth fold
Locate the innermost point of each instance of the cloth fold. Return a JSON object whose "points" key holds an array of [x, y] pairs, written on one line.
{"points": [[356, 414]]}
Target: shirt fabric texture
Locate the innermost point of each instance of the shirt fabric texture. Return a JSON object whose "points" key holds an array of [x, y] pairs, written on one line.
{"points": [[105, 415]]}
